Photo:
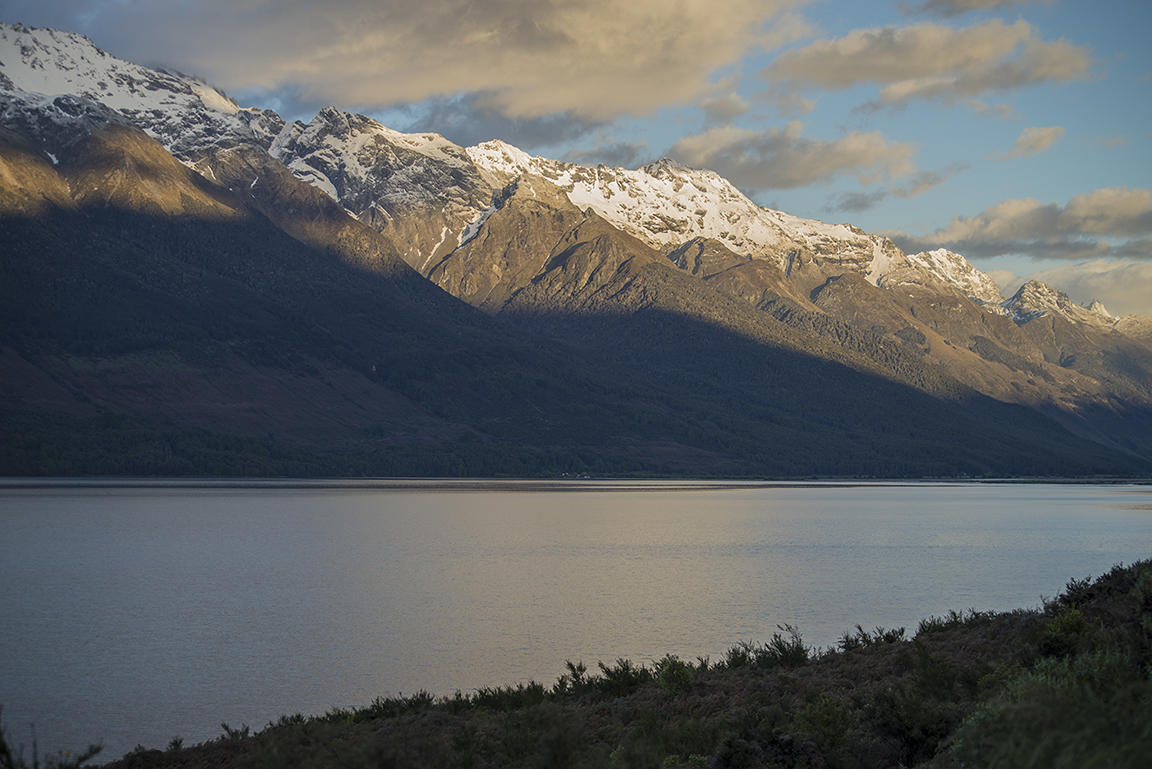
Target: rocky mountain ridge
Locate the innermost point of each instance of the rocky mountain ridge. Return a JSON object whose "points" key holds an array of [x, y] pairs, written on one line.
{"points": [[666, 272], [371, 169]]}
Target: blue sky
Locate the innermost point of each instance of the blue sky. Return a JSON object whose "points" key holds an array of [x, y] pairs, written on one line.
{"points": [[1015, 132]]}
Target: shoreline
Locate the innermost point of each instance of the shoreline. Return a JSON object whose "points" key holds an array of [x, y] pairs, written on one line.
{"points": [[1068, 680]]}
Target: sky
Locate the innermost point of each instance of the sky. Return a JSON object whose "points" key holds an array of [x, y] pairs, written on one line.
{"points": [[1015, 132]]}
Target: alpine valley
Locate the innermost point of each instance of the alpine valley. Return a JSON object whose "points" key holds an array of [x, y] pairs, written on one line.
{"points": [[189, 287]]}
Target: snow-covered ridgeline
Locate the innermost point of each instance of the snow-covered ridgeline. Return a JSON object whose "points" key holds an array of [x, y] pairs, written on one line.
{"points": [[664, 204], [1035, 299], [957, 271], [186, 115]]}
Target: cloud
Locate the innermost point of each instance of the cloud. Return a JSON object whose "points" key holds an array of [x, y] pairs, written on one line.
{"points": [[929, 61], [1007, 280], [858, 202], [919, 183], [1032, 141], [1121, 285], [983, 109], [724, 108], [1111, 142], [613, 154], [782, 158], [466, 121], [952, 8], [522, 59], [1048, 230]]}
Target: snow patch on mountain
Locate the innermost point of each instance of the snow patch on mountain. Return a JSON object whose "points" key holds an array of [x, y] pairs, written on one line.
{"points": [[473, 228], [1035, 299], [957, 271], [667, 204], [58, 122], [184, 114], [367, 167], [664, 204], [363, 164]]}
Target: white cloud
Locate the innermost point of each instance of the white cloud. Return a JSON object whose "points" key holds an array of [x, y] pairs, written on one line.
{"points": [[1049, 230], [782, 158], [930, 61], [1032, 141], [1123, 286], [593, 59]]}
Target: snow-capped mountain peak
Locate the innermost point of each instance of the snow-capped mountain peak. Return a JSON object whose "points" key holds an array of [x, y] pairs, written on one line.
{"points": [[1035, 299], [1099, 308], [667, 204], [503, 159], [185, 114], [368, 167], [958, 271]]}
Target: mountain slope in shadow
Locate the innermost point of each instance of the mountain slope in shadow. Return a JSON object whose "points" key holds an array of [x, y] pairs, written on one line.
{"points": [[146, 305]]}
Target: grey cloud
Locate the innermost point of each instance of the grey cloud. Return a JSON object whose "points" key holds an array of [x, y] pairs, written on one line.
{"points": [[724, 108], [858, 202], [782, 158], [1026, 226], [930, 62], [952, 8], [613, 155], [1122, 285], [1001, 111], [596, 59], [919, 183], [466, 121]]}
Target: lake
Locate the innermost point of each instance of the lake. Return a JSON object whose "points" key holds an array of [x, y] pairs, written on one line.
{"points": [[133, 612]]}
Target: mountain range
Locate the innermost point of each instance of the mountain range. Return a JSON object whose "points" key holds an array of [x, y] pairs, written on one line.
{"points": [[191, 287]]}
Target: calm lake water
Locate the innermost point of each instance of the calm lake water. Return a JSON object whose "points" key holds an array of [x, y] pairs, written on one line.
{"points": [[133, 613]]}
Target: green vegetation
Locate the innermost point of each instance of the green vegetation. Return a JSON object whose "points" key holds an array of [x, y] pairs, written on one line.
{"points": [[1065, 685]]}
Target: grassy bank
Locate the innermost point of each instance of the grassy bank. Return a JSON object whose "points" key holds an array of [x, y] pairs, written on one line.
{"points": [[1064, 685]]}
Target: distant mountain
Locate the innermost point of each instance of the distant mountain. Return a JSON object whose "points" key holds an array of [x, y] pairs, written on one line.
{"points": [[192, 287]]}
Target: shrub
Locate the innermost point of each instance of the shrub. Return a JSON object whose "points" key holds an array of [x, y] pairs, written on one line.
{"points": [[826, 721], [954, 619], [778, 652], [863, 639], [574, 681], [622, 678], [508, 698], [673, 675], [913, 724], [1060, 717], [1068, 633], [785, 652]]}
